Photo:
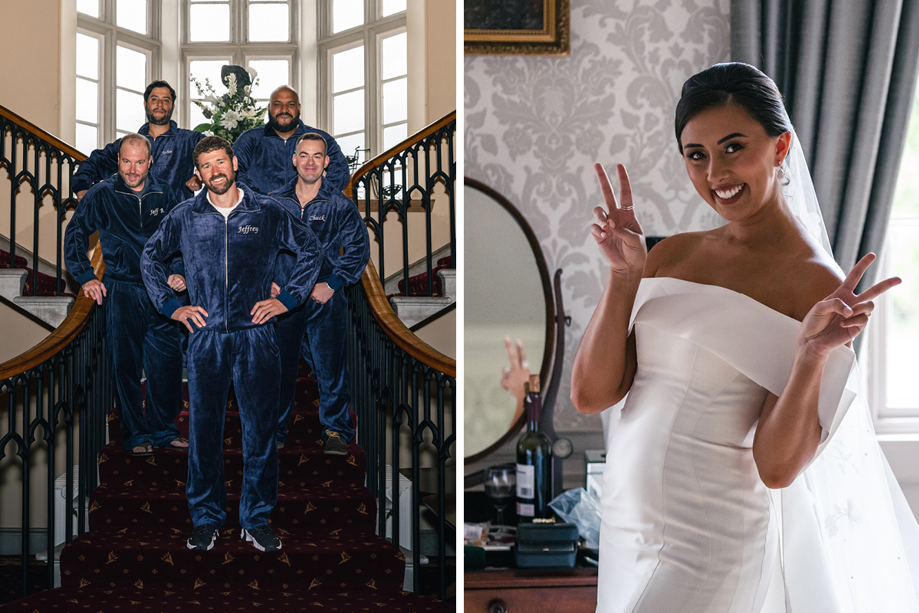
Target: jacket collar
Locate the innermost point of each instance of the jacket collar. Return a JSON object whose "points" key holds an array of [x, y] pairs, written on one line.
{"points": [[173, 126], [152, 186], [268, 131], [289, 191], [202, 206]]}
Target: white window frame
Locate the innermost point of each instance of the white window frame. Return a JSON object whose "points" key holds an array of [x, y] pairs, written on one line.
{"points": [[238, 49], [111, 36], [370, 34]]}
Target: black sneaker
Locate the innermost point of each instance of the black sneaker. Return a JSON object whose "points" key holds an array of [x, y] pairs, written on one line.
{"points": [[263, 538], [202, 537], [335, 444]]}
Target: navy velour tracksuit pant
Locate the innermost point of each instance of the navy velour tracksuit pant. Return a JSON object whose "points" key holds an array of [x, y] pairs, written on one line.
{"points": [[325, 350], [142, 339], [249, 358]]}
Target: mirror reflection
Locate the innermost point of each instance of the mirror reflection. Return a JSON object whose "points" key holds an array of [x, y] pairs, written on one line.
{"points": [[504, 297]]}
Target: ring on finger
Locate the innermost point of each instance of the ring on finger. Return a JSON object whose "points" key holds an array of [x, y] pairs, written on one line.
{"points": [[627, 208]]}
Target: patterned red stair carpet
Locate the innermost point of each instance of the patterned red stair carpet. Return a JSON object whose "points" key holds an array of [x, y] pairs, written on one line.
{"points": [[134, 557]]}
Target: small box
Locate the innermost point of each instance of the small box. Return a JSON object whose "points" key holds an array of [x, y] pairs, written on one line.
{"points": [[594, 464], [546, 545]]}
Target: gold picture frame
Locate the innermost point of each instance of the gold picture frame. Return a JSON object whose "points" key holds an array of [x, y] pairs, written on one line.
{"points": [[515, 29]]}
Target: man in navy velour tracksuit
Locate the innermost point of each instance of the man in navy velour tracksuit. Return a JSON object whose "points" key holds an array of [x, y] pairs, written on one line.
{"points": [[264, 153], [338, 225], [172, 147], [230, 238], [126, 209]]}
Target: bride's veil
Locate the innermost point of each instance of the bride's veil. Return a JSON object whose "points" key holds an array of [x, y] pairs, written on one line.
{"points": [[850, 542]]}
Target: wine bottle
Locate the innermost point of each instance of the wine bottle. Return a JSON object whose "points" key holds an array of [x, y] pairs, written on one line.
{"points": [[534, 461]]}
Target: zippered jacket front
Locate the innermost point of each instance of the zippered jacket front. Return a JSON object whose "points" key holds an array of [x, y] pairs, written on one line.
{"points": [[338, 225], [230, 262], [173, 163], [125, 220], [266, 160]]}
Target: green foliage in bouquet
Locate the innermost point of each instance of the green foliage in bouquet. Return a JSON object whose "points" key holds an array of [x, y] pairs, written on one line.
{"points": [[235, 111]]}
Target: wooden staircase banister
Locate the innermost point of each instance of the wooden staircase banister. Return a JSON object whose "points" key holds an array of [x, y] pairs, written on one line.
{"points": [[49, 138], [412, 140], [79, 313], [382, 310], [62, 336]]}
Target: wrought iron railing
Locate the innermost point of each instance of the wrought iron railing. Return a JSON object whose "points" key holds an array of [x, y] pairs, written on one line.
{"points": [[56, 397], [403, 390], [405, 179], [31, 155]]}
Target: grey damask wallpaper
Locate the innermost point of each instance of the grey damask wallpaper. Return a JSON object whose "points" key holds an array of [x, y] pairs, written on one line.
{"points": [[535, 126]]}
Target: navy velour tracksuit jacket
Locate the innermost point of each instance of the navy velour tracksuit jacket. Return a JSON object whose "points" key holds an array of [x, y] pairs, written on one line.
{"points": [[172, 160], [266, 160], [125, 222], [230, 263], [337, 223]]}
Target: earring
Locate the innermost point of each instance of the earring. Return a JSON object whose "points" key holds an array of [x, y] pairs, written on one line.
{"points": [[781, 169]]}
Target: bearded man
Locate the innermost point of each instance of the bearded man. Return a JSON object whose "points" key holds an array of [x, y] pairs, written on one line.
{"points": [[265, 153], [171, 145], [126, 209]]}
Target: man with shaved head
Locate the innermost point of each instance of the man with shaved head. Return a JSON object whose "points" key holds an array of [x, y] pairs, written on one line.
{"points": [[126, 209], [265, 153]]}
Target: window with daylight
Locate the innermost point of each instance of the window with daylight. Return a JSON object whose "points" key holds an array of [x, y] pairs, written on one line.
{"points": [[118, 49], [257, 34], [894, 338], [364, 68]]}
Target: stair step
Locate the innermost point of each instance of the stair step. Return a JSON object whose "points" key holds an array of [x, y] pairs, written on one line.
{"points": [[413, 310], [314, 507], [241, 599], [338, 561], [12, 282], [50, 309], [297, 466]]}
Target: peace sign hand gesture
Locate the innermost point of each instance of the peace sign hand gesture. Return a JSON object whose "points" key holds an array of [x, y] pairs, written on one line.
{"points": [[842, 316], [616, 230]]}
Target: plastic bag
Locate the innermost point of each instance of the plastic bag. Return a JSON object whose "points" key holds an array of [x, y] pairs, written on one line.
{"points": [[583, 510]]}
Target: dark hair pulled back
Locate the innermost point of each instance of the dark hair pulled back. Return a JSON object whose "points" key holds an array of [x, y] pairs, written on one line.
{"points": [[742, 84]]}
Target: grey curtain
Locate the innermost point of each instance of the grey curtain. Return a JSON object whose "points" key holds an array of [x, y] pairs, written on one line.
{"points": [[848, 71]]}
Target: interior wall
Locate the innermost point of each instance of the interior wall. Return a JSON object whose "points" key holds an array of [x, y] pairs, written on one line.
{"points": [[534, 127]]}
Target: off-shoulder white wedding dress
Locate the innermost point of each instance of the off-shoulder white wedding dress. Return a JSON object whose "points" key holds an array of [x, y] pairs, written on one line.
{"points": [[688, 526]]}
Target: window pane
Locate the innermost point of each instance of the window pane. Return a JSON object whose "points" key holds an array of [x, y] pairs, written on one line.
{"points": [[129, 111], [903, 315], [348, 111], [347, 144], [269, 22], [89, 7], [347, 69], [209, 22], [346, 14], [130, 69], [197, 117], [87, 101], [271, 74], [394, 59], [87, 56], [87, 139], [394, 135], [391, 7], [207, 70], [395, 101], [132, 14]]}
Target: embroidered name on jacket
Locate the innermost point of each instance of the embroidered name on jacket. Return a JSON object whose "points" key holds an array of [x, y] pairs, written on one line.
{"points": [[155, 212], [247, 229], [317, 217]]}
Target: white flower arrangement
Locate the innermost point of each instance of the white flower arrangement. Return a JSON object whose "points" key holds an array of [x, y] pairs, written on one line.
{"points": [[235, 111]]}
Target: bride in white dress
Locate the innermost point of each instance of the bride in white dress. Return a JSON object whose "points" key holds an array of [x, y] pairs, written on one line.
{"points": [[733, 483]]}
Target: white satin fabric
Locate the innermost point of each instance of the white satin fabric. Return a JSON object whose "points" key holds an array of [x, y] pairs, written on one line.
{"points": [[688, 526]]}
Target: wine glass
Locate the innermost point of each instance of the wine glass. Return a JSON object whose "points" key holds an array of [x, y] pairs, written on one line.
{"points": [[501, 486]]}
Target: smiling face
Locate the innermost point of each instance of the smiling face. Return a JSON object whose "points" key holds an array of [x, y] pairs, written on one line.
{"points": [[133, 165], [283, 110], [310, 161], [731, 160], [158, 106], [217, 171]]}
